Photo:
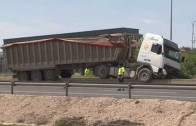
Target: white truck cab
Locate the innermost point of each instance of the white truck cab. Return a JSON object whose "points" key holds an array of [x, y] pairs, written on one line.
{"points": [[158, 57]]}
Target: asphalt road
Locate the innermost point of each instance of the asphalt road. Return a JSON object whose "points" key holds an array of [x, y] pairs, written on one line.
{"points": [[187, 95]]}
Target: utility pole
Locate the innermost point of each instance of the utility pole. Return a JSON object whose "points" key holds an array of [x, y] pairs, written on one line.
{"points": [[171, 20], [193, 35]]}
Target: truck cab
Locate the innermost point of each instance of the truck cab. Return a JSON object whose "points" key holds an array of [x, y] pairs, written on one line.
{"points": [[158, 57]]}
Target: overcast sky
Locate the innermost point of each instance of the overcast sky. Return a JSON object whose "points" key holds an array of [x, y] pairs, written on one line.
{"points": [[22, 18]]}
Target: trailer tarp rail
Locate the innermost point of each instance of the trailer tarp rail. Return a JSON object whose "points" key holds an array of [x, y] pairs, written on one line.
{"points": [[75, 34]]}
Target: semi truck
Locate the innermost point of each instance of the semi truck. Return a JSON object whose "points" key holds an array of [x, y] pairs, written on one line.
{"points": [[47, 57]]}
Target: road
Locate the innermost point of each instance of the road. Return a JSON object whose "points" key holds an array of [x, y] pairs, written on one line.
{"points": [[187, 95]]}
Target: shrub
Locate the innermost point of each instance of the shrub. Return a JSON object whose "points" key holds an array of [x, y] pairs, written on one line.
{"points": [[67, 121], [189, 65]]}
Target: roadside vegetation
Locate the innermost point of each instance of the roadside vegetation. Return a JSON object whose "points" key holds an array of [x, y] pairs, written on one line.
{"points": [[5, 74], [80, 121], [189, 65], [87, 74]]}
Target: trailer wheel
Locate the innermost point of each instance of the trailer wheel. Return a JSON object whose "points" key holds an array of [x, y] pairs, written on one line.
{"points": [[36, 75], [144, 75], [23, 76], [66, 74], [102, 71], [49, 75]]}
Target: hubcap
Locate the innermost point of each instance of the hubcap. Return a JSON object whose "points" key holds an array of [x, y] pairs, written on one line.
{"points": [[103, 71], [144, 76]]}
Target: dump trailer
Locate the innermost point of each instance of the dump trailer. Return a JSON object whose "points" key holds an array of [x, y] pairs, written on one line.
{"points": [[46, 57]]}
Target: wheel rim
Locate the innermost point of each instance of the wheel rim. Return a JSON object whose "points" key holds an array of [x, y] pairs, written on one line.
{"points": [[144, 76], [36, 76], [103, 71], [49, 74]]}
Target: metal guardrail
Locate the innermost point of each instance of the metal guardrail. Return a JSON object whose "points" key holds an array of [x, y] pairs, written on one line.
{"points": [[129, 86]]}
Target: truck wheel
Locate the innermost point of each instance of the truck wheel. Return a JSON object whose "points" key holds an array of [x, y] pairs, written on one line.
{"points": [[49, 75], [23, 76], [144, 75], [102, 71], [66, 74], [36, 75]]}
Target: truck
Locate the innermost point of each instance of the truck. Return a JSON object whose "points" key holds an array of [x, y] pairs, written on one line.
{"points": [[47, 57]]}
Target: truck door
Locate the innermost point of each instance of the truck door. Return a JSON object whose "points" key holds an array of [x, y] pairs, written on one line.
{"points": [[155, 56]]}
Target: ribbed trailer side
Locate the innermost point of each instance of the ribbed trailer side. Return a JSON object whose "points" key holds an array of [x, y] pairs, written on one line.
{"points": [[48, 54], [46, 57]]}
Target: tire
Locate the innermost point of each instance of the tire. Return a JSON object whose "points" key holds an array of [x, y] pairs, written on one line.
{"points": [[50, 75], [36, 75], [144, 75], [66, 74], [23, 76], [102, 71]]}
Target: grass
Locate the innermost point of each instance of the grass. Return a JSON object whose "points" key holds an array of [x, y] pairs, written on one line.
{"points": [[5, 74], [78, 75], [75, 121]]}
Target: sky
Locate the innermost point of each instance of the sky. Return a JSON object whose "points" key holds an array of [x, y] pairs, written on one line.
{"points": [[23, 18]]}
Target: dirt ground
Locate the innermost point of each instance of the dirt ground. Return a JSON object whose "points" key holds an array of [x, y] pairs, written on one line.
{"points": [[45, 110]]}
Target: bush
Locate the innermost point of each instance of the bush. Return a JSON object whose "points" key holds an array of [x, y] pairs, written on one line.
{"points": [[75, 121], [181, 75], [189, 65]]}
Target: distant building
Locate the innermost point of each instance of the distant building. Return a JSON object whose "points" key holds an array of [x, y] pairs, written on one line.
{"points": [[185, 49]]}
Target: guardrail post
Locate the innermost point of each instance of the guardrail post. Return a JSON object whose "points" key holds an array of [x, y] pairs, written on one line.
{"points": [[12, 87], [129, 90], [66, 88]]}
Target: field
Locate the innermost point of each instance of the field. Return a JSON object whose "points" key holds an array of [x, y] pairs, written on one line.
{"points": [[80, 111]]}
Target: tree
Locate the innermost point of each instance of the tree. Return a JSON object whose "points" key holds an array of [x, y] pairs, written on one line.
{"points": [[189, 65]]}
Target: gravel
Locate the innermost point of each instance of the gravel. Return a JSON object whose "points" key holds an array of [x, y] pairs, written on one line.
{"points": [[45, 110]]}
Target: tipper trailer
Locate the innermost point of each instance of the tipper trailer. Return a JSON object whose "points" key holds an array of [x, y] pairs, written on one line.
{"points": [[46, 57]]}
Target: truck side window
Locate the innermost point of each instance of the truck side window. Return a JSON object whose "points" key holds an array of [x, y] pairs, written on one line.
{"points": [[156, 48]]}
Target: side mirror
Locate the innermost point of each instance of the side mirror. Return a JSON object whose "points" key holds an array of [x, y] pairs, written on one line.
{"points": [[183, 58]]}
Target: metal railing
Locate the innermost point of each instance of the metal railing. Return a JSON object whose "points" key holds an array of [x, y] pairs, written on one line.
{"points": [[67, 85]]}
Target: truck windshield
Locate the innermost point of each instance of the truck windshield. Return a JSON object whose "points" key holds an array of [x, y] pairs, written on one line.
{"points": [[171, 53]]}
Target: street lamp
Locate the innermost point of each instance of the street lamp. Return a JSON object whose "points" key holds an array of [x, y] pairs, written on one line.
{"points": [[193, 34], [171, 20]]}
